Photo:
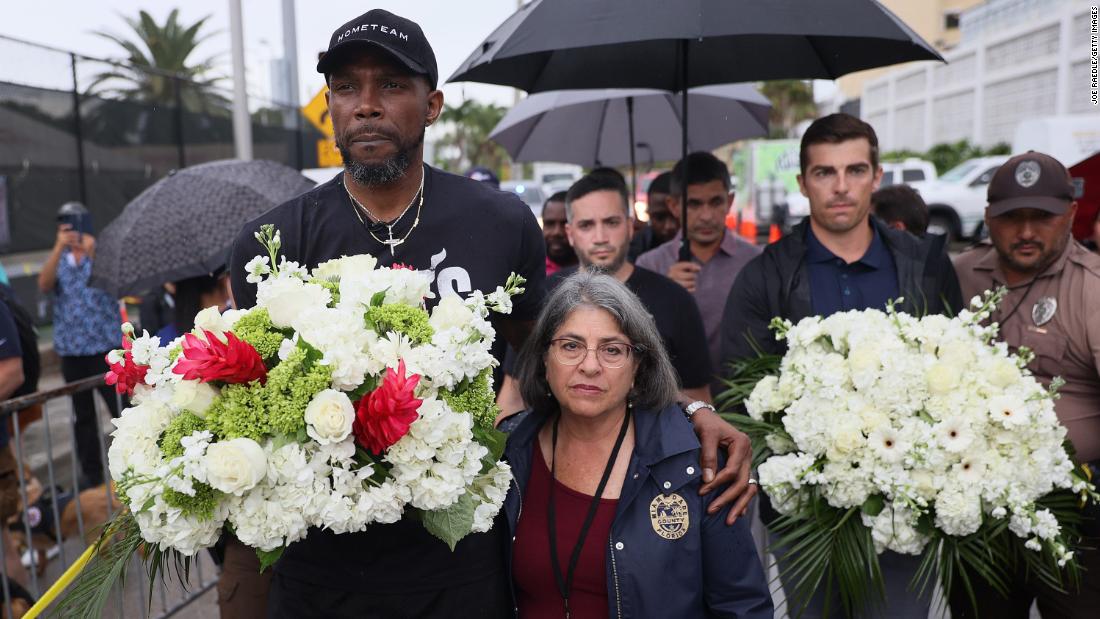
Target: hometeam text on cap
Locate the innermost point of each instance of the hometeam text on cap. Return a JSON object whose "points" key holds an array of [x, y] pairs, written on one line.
{"points": [[1031, 180], [401, 37]]}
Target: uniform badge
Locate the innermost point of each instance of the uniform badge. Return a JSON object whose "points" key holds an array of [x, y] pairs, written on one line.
{"points": [[1027, 173], [668, 513], [1044, 310]]}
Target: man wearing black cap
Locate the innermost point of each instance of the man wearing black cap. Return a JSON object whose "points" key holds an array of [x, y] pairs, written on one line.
{"points": [[382, 78], [1052, 309]]}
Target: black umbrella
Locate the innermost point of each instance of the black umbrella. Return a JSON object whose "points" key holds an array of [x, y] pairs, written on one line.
{"points": [[184, 224], [570, 44], [607, 126]]}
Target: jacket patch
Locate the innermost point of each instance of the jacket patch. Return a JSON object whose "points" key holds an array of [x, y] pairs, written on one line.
{"points": [[668, 513]]}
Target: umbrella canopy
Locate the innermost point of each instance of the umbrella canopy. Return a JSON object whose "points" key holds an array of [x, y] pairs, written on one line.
{"points": [[591, 127], [571, 44], [184, 224]]}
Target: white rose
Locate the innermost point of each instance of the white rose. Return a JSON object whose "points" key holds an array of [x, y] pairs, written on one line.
{"points": [[329, 416], [210, 319], [451, 312], [287, 298], [1003, 373], [345, 267], [235, 466], [943, 377], [194, 396]]}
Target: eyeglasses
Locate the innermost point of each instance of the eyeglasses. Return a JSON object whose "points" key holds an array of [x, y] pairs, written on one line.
{"points": [[611, 355]]}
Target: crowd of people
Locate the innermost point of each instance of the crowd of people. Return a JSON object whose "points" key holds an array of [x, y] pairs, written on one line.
{"points": [[632, 497]]}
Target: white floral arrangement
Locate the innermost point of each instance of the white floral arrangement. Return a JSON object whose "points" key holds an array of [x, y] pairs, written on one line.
{"points": [[337, 402], [880, 430]]}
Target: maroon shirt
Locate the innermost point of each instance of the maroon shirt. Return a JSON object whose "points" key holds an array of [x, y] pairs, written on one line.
{"points": [[536, 588]]}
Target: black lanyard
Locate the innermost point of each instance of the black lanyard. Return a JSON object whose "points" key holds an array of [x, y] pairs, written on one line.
{"points": [[565, 584]]}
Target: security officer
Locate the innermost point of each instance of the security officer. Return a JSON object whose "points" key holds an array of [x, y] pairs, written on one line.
{"points": [[1053, 308]]}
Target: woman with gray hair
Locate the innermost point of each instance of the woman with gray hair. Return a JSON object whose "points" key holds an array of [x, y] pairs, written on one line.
{"points": [[606, 476]]}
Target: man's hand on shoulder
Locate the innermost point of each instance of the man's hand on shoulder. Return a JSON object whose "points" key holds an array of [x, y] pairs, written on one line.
{"points": [[685, 274], [713, 433]]}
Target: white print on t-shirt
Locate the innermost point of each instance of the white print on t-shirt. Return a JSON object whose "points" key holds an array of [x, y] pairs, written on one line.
{"points": [[451, 280]]}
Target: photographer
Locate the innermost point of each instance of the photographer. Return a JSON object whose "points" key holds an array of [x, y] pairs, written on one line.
{"points": [[86, 324]]}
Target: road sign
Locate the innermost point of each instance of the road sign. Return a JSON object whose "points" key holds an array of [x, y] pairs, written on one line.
{"points": [[327, 155], [316, 112]]}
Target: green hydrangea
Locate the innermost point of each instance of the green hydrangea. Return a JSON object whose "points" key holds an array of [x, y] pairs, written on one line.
{"points": [[201, 505], [475, 397], [412, 321], [185, 424], [239, 411], [255, 328], [290, 387], [174, 352], [275, 408]]}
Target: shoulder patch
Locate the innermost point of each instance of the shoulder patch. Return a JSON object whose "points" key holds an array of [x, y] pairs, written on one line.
{"points": [[1090, 261]]}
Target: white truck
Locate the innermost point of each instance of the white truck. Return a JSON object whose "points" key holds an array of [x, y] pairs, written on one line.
{"points": [[956, 200]]}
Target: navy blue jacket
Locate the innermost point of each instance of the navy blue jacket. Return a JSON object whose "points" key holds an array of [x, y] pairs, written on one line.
{"points": [[710, 570]]}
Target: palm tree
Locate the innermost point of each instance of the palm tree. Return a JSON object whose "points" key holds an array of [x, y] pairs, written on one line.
{"points": [[157, 60], [792, 102], [470, 124]]}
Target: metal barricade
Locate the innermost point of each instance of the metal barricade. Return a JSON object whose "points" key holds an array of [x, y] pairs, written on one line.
{"points": [[50, 542]]}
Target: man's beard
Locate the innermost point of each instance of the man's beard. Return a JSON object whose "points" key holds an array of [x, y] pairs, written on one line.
{"points": [[606, 269], [388, 171]]}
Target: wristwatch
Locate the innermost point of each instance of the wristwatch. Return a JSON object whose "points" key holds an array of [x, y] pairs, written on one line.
{"points": [[694, 407]]}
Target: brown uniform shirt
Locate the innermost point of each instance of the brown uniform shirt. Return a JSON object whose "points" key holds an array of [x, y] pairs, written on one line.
{"points": [[1067, 345]]}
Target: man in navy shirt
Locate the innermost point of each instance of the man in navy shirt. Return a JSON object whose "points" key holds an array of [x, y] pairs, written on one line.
{"points": [[840, 259]]}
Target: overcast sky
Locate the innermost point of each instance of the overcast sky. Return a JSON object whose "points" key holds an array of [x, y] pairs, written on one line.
{"points": [[453, 27]]}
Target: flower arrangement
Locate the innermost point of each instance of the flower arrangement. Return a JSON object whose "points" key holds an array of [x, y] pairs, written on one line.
{"points": [[337, 402], [879, 430]]}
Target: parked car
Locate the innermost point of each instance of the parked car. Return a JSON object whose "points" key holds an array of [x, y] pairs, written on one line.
{"points": [[907, 172], [528, 191], [956, 200]]}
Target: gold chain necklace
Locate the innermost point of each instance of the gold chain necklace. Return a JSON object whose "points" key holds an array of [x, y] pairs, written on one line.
{"points": [[391, 242]]}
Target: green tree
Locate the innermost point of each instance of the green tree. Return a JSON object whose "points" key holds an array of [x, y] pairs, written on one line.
{"points": [[947, 155], [792, 102], [467, 142], [154, 58]]}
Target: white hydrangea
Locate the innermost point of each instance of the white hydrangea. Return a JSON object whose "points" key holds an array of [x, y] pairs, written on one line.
{"points": [[928, 413]]}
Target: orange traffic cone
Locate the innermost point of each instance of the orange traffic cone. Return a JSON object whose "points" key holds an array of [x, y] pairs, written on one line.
{"points": [[774, 234], [748, 229]]}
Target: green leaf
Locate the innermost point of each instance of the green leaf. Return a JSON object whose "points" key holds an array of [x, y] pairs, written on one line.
{"points": [[369, 385], [454, 523], [493, 439], [378, 298], [313, 355], [269, 557], [873, 505]]}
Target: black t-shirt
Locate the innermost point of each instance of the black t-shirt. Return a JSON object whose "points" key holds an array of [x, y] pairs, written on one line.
{"points": [[9, 347], [471, 237], [678, 321]]}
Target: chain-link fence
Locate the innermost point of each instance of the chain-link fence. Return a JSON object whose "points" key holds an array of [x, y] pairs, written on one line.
{"points": [[79, 128]]}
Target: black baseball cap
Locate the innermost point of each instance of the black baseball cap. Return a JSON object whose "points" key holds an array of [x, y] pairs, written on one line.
{"points": [[1031, 180], [401, 37]]}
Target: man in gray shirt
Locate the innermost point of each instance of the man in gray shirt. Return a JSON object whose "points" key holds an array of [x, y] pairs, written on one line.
{"points": [[716, 254]]}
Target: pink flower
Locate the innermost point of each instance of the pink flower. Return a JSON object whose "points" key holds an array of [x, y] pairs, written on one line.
{"points": [[384, 415], [231, 361], [125, 375]]}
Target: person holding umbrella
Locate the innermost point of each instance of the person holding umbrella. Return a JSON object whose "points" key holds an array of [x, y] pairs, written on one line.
{"points": [[717, 256], [382, 78], [86, 323]]}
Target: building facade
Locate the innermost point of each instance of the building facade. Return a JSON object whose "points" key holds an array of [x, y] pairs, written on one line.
{"points": [[1016, 60]]}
